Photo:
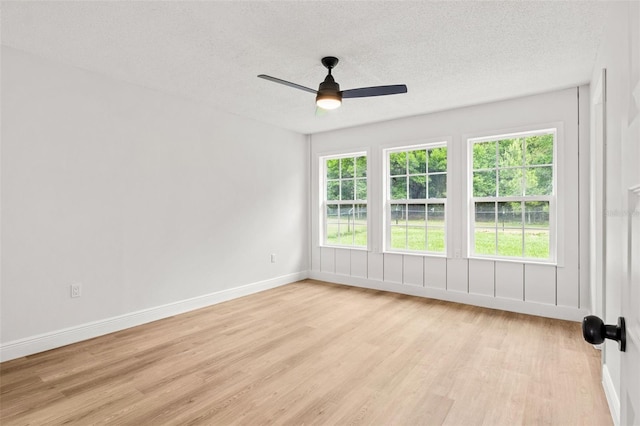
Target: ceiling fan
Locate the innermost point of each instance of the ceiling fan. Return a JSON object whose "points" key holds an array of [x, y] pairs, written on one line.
{"points": [[329, 95]]}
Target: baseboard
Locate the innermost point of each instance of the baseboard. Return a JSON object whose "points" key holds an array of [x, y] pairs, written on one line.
{"points": [[511, 305], [611, 394], [58, 338]]}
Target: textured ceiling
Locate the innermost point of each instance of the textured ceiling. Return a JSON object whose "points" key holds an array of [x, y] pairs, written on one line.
{"points": [[449, 54]]}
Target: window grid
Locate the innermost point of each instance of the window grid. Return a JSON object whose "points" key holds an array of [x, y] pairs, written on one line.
{"points": [[416, 199], [514, 216], [345, 200]]}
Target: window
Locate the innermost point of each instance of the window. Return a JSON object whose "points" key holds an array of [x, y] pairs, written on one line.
{"points": [[344, 189], [512, 186], [416, 191]]}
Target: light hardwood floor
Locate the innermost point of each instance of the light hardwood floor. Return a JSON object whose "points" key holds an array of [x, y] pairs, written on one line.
{"points": [[317, 353]]}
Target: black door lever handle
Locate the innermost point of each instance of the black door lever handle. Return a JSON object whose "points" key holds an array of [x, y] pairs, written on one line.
{"points": [[595, 331]]}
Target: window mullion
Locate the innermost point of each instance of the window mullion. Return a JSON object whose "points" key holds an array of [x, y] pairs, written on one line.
{"points": [[522, 227]]}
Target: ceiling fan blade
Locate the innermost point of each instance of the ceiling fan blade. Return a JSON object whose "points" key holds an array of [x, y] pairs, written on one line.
{"points": [[365, 92], [287, 83]]}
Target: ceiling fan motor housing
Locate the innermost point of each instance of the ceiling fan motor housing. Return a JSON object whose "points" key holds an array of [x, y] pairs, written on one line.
{"points": [[329, 89]]}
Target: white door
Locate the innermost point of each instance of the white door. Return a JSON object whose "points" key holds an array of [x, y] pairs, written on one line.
{"points": [[630, 360], [597, 197], [630, 303]]}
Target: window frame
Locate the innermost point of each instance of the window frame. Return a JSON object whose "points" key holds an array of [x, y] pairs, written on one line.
{"points": [[322, 167], [554, 200], [387, 201]]}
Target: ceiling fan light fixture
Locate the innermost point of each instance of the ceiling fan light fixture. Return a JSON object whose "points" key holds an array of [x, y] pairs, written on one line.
{"points": [[329, 95], [328, 101]]}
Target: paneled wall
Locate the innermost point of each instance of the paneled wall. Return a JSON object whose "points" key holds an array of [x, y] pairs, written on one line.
{"points": [[520, 287], [558, 290]]}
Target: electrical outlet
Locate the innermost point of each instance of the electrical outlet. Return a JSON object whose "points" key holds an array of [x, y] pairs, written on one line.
{"points": [[457, 254], [273, 258], [76, 290]]}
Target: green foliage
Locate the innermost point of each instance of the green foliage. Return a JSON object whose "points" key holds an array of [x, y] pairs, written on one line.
{"points": [[438, 186], [484, 155], [417, 161], [346, 167], [539, 149], [418, 174], [361, 189], [418, 187], [399, 188], [510, 182], [398, 163], [520, 166], [510, 153], [438, 160], [333, 169], [333, 190], [347, 189], [484, 183], [346, 178], [539, 180], [361, 166]]}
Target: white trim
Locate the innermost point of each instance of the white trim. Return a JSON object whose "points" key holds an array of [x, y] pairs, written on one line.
{"points": [[55, 339], [612, 396], [511, 305], [310, 235]]}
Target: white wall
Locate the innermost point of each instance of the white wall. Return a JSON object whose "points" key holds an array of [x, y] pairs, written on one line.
{"points": [[560, 291], [144, 198], [615, 54]]}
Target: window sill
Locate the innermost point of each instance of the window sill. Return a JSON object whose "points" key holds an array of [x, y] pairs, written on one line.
{"points": [[514, 260], [417, 254], [345, 247]]}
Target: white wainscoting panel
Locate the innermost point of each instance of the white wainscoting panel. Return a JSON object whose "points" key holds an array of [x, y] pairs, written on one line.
{"points": [[540, 284], [481, 277], [510, 280], [359, 263], [343, 261], [435, 272], [393, 268], [375, 266], [327, 260], [413, 270], [458, 275], [568, 287]]}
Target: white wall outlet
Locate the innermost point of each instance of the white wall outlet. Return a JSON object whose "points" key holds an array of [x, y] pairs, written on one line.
{"points": [[273, 258], [76, 290], [457, 254]]}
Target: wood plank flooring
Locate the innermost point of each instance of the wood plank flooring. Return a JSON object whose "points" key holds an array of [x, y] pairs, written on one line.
{"points": [[317, 353]]}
